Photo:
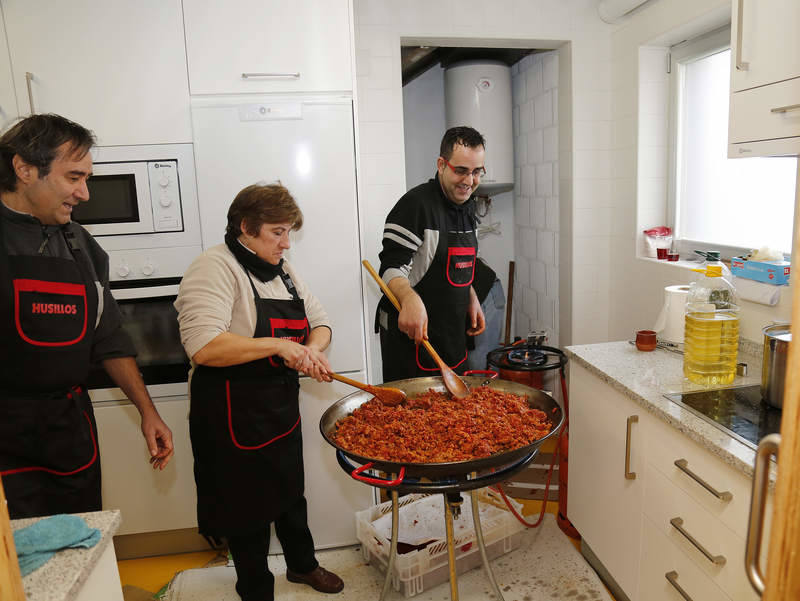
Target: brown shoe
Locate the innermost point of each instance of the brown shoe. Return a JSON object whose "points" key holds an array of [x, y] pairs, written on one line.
{"points": [[319, 579]]}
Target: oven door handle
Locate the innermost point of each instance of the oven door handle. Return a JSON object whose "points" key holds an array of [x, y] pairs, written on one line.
{"points": [[145, 292]]}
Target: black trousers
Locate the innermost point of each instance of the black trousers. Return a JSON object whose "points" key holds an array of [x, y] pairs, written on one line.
{"points": [[254, 580]]}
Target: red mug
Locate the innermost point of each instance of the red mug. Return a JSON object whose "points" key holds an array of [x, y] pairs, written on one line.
{"points": [[661, 253], [672, 256], [646, 340]]}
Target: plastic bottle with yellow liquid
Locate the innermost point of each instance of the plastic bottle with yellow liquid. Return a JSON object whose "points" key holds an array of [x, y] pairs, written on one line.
{"points": [[711, 336]]}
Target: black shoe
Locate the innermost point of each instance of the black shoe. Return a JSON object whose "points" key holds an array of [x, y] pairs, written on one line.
{"points": [[319, 579]]}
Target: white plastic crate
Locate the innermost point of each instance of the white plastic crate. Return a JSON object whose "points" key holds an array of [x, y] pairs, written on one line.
{"points": [[425, 568]]}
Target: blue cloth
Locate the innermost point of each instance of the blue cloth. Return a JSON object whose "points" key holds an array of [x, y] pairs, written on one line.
{"points": [[37, 543]]}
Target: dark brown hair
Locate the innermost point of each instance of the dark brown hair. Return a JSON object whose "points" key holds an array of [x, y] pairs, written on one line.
{"points": [[466, 136], [36, 139], [263, 203]]}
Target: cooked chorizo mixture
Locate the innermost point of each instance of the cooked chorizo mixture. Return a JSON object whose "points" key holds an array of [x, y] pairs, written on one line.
{"points": [[435, 428]]}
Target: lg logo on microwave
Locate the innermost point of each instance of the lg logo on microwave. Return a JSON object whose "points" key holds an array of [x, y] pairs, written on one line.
{"points": [[166, 165]]}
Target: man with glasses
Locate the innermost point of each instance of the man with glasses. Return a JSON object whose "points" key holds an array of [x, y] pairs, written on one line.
{"points": [[428, 261]]}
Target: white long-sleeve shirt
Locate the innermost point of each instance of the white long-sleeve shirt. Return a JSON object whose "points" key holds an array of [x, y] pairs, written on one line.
{"points": [[215, 297]]}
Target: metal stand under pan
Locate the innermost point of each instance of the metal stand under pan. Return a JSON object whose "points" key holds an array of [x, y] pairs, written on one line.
{"points": [[451, 489]]}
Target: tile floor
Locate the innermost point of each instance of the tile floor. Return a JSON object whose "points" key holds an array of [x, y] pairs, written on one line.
{"points": [[543, 568]]}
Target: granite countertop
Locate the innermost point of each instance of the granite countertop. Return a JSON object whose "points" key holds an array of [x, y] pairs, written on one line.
{"points": [[61, 578], [646, 377]]}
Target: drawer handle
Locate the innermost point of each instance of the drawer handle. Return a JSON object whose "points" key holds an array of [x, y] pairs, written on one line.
{"points": [[758, 500], [785, 109], [629, 475], [717, 560], [295, 75], [740, 64], [672, 578], [683, 465]]}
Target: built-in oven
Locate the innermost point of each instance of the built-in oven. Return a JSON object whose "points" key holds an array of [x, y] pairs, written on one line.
{"points": [[150, 319]]}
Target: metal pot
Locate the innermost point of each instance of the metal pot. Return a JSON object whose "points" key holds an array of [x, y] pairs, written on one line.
{"points": [[415, 386], [773, 369]]}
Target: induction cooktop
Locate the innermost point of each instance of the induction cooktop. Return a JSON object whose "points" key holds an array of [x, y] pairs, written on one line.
{"points": [[737, 411]]}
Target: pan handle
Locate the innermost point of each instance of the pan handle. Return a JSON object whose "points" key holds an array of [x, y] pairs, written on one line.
{"points": [[492, 375], [356, 475]]}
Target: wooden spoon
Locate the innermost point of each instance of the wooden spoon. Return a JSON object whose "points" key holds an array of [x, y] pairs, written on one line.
{"points": [[452, 382], [385, 394]]}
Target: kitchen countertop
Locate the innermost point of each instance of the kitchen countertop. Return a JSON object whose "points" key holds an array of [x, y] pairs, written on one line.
{"points": [[644, 377], [61, 578]]}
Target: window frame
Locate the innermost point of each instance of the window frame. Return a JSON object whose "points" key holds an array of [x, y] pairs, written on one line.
{"points": [[680, 54]]}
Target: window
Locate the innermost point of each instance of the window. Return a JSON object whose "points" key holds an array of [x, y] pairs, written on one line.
{"points": [[732, 205]]}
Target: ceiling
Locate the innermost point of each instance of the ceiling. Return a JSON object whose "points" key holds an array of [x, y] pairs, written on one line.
{"points": [[415, 60]]}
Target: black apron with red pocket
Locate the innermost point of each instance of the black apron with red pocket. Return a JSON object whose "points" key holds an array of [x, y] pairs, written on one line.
{"points": [[445, 291], [48, 438], [245, 429]]}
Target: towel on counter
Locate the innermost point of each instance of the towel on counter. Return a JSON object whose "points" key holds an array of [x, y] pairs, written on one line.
{"points": [[37, 543]]}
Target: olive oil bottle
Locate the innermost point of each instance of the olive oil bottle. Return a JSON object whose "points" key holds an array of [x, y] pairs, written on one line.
{"points": [[711, 336]]}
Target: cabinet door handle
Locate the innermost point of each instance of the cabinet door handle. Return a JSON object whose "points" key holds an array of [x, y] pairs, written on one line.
{"points": [[672, 578], [28, 80], [740, 64], [683, 465], [629, 475], [295, 75], [758, 501], [785, 109], [717, 560]]}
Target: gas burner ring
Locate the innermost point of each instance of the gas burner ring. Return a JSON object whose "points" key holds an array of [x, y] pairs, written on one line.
{"points": [[525, 356]]}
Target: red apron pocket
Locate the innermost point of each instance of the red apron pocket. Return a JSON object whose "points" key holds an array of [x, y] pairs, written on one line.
{"points": [[460, 265], [50, 313], [257, 418], [296, 330]]}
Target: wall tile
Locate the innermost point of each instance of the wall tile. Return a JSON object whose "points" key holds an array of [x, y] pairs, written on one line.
{"points": [[550, 70], [546, 247], [539, 212], [544, 179], [551, 213], [539, 276], [535, 147], [375, 136], [521, 151], [522, 211], [533, 79], [529, 244], [383, 73], [592, 164], [591, 106], [528, 180], [550, 144], [543, 110], [551, 272]]}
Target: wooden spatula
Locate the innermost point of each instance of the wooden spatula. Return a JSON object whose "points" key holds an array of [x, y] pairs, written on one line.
{"points": [[452, 382], [385, 394]]}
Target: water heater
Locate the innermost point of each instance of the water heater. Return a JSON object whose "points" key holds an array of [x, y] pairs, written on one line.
{"points": [[478, 94]]}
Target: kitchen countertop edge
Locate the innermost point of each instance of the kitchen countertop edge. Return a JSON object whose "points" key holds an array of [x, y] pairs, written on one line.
{"points": [[63, 576], [728, 449]]}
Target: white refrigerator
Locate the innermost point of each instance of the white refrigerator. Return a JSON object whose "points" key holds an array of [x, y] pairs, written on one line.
{"points": [[307, 143]]}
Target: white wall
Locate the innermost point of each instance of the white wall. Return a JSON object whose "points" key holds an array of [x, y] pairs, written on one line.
{"points": [[584, 45]]}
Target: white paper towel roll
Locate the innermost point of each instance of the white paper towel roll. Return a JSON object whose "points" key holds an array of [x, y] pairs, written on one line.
{"points": [[670, 322]]}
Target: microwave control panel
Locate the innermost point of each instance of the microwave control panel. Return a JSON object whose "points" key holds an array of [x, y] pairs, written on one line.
{"points": [[165, 196]]}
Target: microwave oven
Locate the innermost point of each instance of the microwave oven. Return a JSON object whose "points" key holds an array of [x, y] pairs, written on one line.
{"points": [[142, 197]]}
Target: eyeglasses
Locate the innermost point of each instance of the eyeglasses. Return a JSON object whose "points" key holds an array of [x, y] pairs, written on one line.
{"points": [[464, 172]]}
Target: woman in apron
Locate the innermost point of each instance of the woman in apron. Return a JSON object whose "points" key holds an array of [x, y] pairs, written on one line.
{"points": [[250, 325]]}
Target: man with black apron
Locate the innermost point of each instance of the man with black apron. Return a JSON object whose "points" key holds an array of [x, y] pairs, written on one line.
{"points": [[246, 326], [428, 261], [57, 318]]}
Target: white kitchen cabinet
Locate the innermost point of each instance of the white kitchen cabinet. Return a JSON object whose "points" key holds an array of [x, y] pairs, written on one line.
{"points": [[764, 115], [116, 67], [628, 524], [248, 46], [8, 101], [604, 505], [150, 500]]}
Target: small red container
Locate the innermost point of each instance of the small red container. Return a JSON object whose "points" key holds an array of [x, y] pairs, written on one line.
{"points": [[661, 253], [672, 256], [646, 340]]}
